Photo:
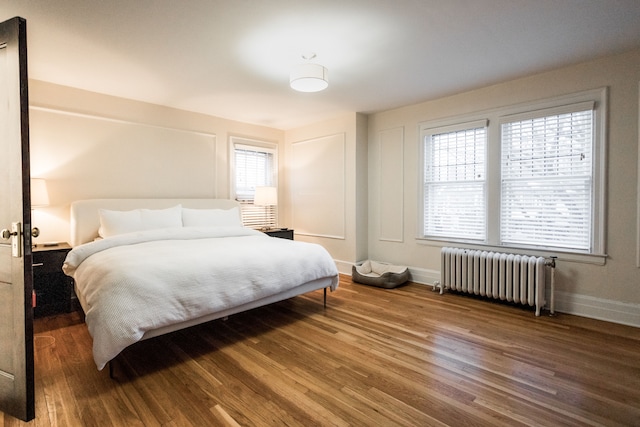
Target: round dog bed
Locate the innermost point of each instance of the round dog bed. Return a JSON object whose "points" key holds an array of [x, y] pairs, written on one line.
{"points": [[379, 274]]}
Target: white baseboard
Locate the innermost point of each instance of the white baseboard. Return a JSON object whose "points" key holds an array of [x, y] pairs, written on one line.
{"points": [[578, 305], [598, 308], [424, 276], [344, 267]]}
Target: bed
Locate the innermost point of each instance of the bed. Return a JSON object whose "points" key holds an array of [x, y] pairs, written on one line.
{"points": [[147, 267]]}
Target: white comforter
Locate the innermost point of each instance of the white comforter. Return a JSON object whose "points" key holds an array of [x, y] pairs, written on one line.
{"points": [[136, 282]]}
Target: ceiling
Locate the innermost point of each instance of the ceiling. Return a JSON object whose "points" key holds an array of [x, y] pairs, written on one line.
{"points": [[232, 58]]}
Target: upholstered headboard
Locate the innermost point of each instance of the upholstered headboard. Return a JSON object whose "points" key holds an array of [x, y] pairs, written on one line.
{"points": [[85, 219]]}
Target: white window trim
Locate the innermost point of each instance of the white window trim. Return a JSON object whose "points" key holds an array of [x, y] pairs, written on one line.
{"points": [[495, 116], [446, 130], [251, 144], [557, 111]]}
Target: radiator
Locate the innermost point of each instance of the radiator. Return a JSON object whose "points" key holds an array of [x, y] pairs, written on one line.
{"points": [[515, 278]]}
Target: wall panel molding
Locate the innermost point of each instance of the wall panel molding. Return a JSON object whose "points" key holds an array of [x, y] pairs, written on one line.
{"points": [[391, 185], [114, 120], [90, 155], [318, 186]]}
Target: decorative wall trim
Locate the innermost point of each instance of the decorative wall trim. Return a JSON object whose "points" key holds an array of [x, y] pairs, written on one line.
{"points": [[391, 185], [317, 177], [114, 120], [87, 143], [324, 236]]}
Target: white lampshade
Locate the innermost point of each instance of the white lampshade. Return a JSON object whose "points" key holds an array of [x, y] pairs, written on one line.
{"points": [[309, 78], [266, 196], [39, 193]]}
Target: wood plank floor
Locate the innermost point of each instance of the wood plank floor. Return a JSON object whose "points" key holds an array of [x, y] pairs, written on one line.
{"points": [[373, 357]]}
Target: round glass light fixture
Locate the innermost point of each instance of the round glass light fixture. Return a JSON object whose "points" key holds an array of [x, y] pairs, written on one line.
{"points": [[309, 78]]}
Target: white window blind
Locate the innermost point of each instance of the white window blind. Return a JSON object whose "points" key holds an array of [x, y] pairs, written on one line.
{"points": [[454, 181], [254, 166], [546, 179]]}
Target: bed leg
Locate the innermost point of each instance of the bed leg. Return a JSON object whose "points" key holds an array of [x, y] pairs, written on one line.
{"points": [[325, 297], [111, 369]]}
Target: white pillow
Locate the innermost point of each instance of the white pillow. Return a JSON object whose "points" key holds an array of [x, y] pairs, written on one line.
{"points": [[120, 222], [211, 217]]}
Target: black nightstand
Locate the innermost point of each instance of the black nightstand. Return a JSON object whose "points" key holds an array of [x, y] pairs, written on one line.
{"points": [[53, 288], [283, 233]]}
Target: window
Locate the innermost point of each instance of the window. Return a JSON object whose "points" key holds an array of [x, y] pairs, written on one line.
{"points": [[546, 179], [254, 165], [524, 177], [454, 181]]}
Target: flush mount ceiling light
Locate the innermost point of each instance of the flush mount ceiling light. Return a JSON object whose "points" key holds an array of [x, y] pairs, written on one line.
{"points": [[309, 77]]}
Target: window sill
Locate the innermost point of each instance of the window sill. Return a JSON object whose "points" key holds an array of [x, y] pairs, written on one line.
{"points": [[595, 259]]}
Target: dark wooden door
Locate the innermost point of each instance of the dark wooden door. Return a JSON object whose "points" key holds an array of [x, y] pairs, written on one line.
{"points": [[17, 396]]}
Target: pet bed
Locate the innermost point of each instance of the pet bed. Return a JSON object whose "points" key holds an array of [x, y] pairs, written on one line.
{"points": [[380, 274]]}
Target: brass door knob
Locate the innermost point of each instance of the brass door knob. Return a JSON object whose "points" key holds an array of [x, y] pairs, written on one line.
{"points": [[6, 234]]}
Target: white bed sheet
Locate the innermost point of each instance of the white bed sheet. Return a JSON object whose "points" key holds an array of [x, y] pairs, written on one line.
{"points": [[136, 283]]}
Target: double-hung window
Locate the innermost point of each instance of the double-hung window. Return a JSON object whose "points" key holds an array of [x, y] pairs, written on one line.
{"points": [[454, 181], [254, 165], [547, 176], [524, 177]]}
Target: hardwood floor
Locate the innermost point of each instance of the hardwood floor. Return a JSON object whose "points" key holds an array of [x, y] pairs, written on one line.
{"points": [[373, 357]]}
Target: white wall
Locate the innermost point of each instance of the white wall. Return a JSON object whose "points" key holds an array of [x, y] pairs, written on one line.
{"points": [[610, 291], [88, 145]]}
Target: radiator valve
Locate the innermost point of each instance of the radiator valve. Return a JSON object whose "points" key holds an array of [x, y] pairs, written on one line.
{"points": [[437, 285]]}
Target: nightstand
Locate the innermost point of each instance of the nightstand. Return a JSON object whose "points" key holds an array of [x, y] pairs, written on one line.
{"points": [[283, 233], [53, 288]]}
